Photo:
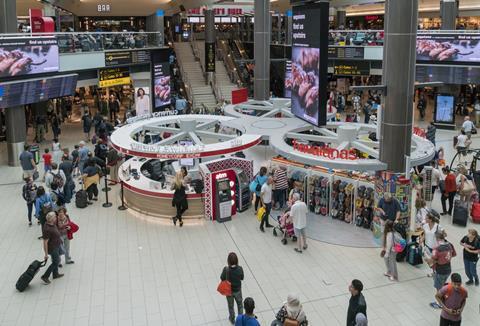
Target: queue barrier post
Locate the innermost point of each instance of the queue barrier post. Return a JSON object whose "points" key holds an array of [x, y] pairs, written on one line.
{"points": [[122, 207], [106, 204]]}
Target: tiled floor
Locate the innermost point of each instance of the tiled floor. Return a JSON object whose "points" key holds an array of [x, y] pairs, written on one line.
{"points": [[130, 270]]}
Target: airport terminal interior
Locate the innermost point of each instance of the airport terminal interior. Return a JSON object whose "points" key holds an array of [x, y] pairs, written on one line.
{"points": [[239, 162]]}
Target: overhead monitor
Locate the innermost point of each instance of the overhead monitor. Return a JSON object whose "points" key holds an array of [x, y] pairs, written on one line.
{"points": [[307, 81], [445, 109], [161, 79], [448, 48]]}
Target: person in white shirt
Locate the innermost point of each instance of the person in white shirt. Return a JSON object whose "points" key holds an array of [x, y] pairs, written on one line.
{"points": [[436, 177], [298, 212], [266, 196], [462, 143], [467, 126], [430, 228]]}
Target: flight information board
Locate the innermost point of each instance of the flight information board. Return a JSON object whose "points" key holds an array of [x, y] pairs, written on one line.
{"points": [[346, 52], [351, 68], [36, 90]]}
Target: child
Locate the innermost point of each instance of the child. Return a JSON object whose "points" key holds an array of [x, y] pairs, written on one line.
{"points": [[47, 161]]}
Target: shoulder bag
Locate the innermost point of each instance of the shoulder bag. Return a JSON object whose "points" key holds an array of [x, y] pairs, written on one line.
{"points": [[225, 287]]}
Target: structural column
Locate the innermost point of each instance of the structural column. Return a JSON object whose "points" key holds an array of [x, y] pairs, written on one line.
{"points": [[261, 44], [8, 16], [399, 77], [449, 13], [288, 27], [16, 133], [341, 17], [155, 23], [210, 44]]}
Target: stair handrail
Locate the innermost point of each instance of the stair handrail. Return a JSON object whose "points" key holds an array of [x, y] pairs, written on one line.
{"points": [[225, 53]]}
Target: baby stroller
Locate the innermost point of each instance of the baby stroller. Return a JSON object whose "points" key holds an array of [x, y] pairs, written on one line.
{"points": [[285, 227]]}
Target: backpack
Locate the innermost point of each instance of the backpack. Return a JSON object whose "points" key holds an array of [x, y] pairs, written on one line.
{"points": [[444, 257], [29, 193], [399, 243], [57, 182], [450, 290]]}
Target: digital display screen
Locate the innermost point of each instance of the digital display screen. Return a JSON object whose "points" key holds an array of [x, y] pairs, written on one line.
{"points": [[161, 79], [445, 48], [194, 19], [346, 52], [307, 72], [444, 108], [28, 56], [351, 68], [455, 75], [142, 101], [30, 91]]}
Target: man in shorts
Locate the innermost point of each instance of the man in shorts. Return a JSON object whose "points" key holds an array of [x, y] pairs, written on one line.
{"points": [[298, 212]]}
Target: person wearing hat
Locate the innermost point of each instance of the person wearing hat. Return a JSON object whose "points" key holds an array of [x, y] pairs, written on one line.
{"points": [[291, 310]]}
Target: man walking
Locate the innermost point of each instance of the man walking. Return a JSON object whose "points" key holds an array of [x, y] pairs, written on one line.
{"points": [[27, 162], [51, 246], [298, 212], [451, 298], [266, 196], [357, 305]]}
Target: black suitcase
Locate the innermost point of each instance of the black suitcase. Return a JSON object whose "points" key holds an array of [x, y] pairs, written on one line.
{"points": [[81, 199], [414, 256], [29, 274], [460, 213]]}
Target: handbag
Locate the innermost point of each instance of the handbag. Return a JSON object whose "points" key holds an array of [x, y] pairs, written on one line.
{"points": [[35, 175], [225, 287], [292, 322], [468, 186]]}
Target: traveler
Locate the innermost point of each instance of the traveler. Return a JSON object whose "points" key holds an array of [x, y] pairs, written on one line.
{"points": [[27, 162], [436, 177], [421, 212], [43, 205], [179, 200], [234, 274], [429, 238], [55, 181], [113, 107], [298, 213], [63, 225], [87, 124], [67, 167], [291, 311], [259, 179], [441, 262], [47, 162], [465, 186], [249, 318], [41, 124], [29, 193], [56, 151], [388, 252], [452, 298], [471, 249], [76, 160], [82, 156], [449, 192], [357, 304], [389, 207], [468, 126], [51, 245], [114, 160], [55, 122], [281, 186], [431, 131], [101, 150], [91, 178], [266, 196], [462, 143]]}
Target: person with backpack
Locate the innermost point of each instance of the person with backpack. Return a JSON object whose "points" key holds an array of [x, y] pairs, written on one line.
{"points": [[249, 318], [388, 252], [43, 205], [441, 262], [29, 193], [357, 304], [471, 249], [451, 299], [101, 150], [234, 274], [87, 125], [291, 313]]}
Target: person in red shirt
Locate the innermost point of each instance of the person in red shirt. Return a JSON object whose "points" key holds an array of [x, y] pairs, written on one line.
{"points": [[449, 191], [47, 161]]}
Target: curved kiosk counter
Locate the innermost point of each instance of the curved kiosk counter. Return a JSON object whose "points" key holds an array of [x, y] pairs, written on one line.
{"points": [[152, 195]]}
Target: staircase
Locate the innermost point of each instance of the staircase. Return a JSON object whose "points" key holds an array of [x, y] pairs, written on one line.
{"points": [[222, 79], [200, 93]]}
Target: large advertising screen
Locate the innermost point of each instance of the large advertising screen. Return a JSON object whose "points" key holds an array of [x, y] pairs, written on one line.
{"points": [[445, 48], [142, 101], [307, 76], [16, 93], [28, 56], [444, 109], [161, 80]]}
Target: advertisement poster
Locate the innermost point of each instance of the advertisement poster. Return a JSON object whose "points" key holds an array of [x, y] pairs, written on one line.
{"points": [[306, 80], [444, 109], [142, 100], [448, 48], [161, 79], [28, 56], [287, 91]]}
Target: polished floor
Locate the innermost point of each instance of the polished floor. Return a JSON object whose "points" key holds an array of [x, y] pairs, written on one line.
{"points": [[131, 270]]}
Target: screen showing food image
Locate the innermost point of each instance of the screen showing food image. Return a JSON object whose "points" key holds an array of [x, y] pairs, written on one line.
{"points": [[448, 48], [162, 84], [304, 83], [444, 110], [28, 56]]}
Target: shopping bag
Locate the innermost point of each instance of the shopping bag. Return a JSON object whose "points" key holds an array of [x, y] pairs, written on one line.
{"points": [[261, 211], [225, 288]]}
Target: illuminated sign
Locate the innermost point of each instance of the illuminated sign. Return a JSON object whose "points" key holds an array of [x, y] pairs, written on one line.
{"points": [[326, 151], [351, 68], [113, 77], [103, 8], [222, 175]]}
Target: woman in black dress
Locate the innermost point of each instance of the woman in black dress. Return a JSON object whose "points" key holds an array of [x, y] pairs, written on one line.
{"points": [[179, 198]]}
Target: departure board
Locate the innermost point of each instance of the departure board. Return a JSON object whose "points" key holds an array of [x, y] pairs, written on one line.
{"points": [[351, 68], [36, 90], [346, 52]]}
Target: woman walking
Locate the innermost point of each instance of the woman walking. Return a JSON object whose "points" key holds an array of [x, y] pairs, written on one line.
{"points": [[234, 274], [388, 252], [179, 200], [471, 249]]}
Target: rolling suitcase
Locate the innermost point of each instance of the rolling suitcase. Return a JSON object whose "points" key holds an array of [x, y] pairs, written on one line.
{"points": [[475, 213], [414, 256], [29, 274], [81, 199], [460, 213]]}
